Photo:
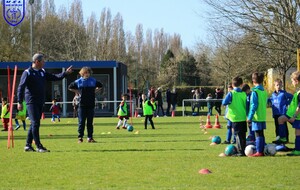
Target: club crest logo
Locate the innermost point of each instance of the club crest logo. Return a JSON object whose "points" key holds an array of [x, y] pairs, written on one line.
{"points": [[14, 11]]}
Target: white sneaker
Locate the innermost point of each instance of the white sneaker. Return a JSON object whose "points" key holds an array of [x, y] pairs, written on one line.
{"points": [[29, 149], [42, 149], [17, 127]]}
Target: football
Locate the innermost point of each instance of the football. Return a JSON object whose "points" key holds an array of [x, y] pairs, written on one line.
{"points": [[129, 128], [270, 150], [250, 149], [216, 139], [230, 150]]}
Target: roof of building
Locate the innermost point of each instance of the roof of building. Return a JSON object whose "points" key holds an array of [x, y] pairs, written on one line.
{"points": [[63, 64]]}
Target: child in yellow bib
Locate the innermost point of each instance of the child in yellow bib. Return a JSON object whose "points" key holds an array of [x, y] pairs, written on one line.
{"points": [[123, 112], [5, 114], [293, 115], [236, 113], [148, 108], [258, 112], [21, 115]]}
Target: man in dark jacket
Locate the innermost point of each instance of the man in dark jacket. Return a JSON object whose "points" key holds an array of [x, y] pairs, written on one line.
{"points": [[32, 89], [158, 98], [168, 98], [219, 95]]}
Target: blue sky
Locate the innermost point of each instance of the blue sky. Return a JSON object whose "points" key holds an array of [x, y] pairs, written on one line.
{"points": [[184, 17]]}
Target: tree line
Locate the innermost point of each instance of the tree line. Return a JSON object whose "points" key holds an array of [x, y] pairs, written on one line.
{"points": [[254, 35], [245, 36], [64, 35]]}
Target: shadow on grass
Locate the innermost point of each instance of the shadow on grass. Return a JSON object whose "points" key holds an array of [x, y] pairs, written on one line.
{"points": [[104, 124], [134, 150], [107, 124], [157, 140], [119, 138]]}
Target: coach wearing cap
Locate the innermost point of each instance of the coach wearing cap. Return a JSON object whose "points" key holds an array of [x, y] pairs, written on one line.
{"points": [[32, 89]]}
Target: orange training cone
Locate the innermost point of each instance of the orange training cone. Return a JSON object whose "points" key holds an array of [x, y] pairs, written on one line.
{"points": [[173, 113], [135, 113], [204, 171], [208, 124], [43, 115], [217, 123]]}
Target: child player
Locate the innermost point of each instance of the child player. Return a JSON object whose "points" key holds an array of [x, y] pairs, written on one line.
{"points": [[5, 114], [86, 87], [279, 101], [292, 115], [55, 109], [148, 109], [229, 124], [251, 135], [152, 100], [21, 115], [209, 104], [123, 112], [236, 101], [258, 112]]}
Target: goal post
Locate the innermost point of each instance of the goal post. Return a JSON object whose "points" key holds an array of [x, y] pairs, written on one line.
{"points": [[190, 102]]}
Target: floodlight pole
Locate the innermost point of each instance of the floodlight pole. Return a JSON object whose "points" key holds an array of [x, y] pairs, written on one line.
{"points": [[31, 26]]}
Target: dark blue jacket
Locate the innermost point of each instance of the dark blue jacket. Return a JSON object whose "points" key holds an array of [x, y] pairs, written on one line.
{"points": [[86, 88], [280, 101], [32, 85]]}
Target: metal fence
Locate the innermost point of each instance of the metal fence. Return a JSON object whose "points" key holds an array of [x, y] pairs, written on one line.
{"points": [[190, 102]]}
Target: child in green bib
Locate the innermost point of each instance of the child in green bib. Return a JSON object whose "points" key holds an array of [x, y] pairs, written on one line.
{"points": [[293, 114]]}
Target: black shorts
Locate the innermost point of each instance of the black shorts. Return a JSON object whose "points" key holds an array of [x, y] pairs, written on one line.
{"points": [[239, 126], [122, 117]]}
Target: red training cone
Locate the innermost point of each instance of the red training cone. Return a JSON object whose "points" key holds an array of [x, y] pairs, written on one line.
{"points": [[208, 124], [43, 115], [204, 171], [217, 123], [173, 113]]}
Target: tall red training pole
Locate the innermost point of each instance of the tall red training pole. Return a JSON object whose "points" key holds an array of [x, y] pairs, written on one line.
{"points": [[8, 100], [10, 127]]}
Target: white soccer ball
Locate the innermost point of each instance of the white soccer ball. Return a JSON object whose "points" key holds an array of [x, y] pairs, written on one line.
{"points": [[250, 149], [270, 150]]}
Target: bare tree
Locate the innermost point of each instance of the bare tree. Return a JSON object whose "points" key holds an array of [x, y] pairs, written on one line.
{"points": [[104, 34], [14, 41], [202, 56], [161, 45], [117, 42], [139, 37], [131, 59], [169, 70], [92, 31], [48, 8], [47, 36], [276, 23]]}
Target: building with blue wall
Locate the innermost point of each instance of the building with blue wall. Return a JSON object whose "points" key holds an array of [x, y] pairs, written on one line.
{"points": [[112, 74]]}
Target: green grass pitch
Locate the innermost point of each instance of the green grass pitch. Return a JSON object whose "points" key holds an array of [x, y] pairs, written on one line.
{"points": [[168, 157]]}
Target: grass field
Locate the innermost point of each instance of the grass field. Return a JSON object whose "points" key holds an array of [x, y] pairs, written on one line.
{"points": [[166, 158]]}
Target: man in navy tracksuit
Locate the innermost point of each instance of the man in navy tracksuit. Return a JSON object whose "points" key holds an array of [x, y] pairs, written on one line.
{"points": [[32, 89], [85, 86]]}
